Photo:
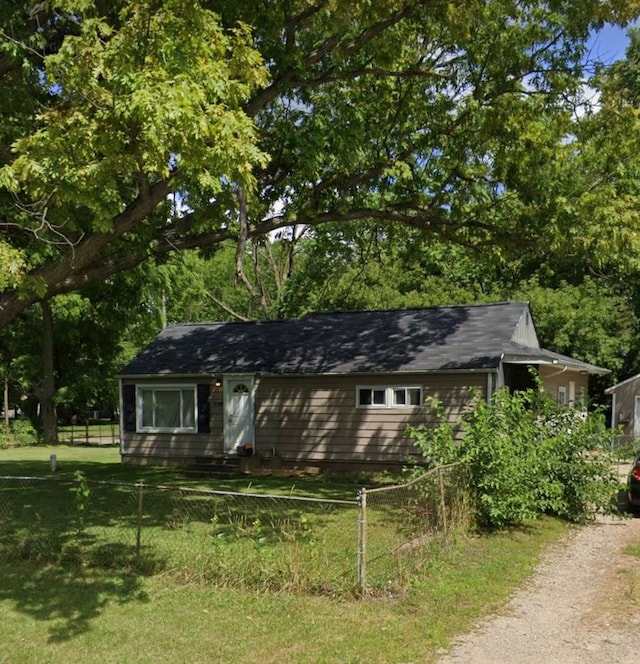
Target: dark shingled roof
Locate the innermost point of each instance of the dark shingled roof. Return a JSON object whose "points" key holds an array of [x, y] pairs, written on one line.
{"points": [[471, 337]]}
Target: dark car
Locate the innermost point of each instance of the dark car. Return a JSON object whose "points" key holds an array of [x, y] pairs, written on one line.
{"points": [[633, 486]]}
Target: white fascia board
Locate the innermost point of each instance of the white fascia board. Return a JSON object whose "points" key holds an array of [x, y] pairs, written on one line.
{"points": [[560, 363]]}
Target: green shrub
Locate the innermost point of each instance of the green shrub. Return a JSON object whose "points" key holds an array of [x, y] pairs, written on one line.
{"points": [[21, 433], [526, 456]]}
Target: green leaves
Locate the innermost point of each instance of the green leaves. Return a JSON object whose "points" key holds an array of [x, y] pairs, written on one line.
{"points": [[160, 91], [527, 457], [258, 115], [12, 264]]}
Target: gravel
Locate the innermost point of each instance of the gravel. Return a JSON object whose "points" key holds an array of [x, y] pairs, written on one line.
{"points": [[579, 607]]}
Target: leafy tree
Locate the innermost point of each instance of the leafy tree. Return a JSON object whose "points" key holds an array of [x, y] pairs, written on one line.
{"points": [[376, 266], [84, 339], [207, 287], [259, 116], [138, 100], [589, 321]]}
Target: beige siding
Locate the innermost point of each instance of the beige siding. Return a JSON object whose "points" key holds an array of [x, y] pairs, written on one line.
{"points": [[553, 379], [315, 419], [171, 447], [625, 404], [525, 332]]}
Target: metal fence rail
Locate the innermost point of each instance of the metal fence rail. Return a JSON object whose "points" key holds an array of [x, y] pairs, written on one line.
{"points": [[90, 432], [269, 541], [404, 522]]}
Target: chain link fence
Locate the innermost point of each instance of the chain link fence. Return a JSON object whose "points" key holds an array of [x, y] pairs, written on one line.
{"points": [[625, 447], [406, 523], [271, 542]]}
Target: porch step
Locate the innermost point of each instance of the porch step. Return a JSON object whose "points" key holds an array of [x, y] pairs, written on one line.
{"points": [[214, 466]]}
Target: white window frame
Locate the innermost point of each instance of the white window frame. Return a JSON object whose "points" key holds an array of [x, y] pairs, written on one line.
{"points": [[389, 396], [167, 388], [563, 398]]}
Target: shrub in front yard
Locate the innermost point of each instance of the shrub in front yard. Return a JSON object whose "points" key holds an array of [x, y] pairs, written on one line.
{"points": [[21, 433], [526, 456]]}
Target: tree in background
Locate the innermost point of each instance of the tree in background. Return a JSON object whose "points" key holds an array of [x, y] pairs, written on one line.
{"points": [[261, 116], [407, 154], [62, 358]]}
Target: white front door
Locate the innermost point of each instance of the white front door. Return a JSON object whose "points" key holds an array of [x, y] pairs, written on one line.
{"points": [[238, 412], [636, 419]]}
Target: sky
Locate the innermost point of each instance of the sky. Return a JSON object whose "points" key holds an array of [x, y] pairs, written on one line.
{"points": [[609, 44]]}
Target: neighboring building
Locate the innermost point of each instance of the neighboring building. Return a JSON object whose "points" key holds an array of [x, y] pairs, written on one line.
{"points": [[330, 389], [625, 406]]}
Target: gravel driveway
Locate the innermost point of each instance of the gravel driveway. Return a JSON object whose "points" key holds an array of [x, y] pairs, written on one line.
{"points": [[581, 606]]}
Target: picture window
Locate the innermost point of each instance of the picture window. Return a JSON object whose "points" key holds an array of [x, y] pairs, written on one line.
{"points": [[166, 409]]}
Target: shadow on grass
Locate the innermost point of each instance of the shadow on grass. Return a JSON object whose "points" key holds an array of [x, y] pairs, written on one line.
{"points": [[100, 463], [68, 598], [94, 470]]}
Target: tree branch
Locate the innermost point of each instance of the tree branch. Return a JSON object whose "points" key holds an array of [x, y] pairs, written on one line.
{"points": [[243, 234], [51, 278], [347, 48]]}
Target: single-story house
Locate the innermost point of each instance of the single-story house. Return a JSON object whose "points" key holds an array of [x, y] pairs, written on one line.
{"points": [[329, 389], [625, 406]]}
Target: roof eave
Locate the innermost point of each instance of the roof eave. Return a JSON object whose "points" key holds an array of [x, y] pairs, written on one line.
{"points": [[567, 364]]}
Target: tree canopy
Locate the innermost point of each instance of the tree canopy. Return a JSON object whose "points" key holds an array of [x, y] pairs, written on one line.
{"points": [[138, 128]]}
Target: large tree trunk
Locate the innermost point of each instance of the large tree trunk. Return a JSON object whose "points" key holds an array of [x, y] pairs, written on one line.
{"points": [[47, 392]]}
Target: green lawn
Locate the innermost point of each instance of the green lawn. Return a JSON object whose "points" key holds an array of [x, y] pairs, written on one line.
{"points": [[85, 612], [103, 463]]}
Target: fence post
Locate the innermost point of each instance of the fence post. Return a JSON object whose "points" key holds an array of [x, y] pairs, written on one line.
{"points": [[139, 519], [362, 540], [443, 501]]}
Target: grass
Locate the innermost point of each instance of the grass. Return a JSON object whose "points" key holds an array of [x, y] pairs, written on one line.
{"points": [[55, 615], [53, 612], [103, 463]]}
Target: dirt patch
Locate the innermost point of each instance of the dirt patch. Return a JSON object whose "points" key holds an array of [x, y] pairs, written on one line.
{"points": [[616, 603]]}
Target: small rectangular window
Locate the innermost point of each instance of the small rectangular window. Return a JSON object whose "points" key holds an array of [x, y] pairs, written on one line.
{"points": [[388, 397], [407, 396], [562, 396], [369, 396], [399, 396]]}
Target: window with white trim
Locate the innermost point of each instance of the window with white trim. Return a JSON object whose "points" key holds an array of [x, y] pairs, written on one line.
{"points": [[562, 396], [166, 408], [392, 396]]}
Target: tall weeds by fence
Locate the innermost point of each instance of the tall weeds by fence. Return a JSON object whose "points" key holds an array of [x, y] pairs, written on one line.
{"points": [[363, 543], [405, 523]]}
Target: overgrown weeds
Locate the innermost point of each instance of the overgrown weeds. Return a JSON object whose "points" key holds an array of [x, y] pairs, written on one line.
{"points": [[527, 456]]}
